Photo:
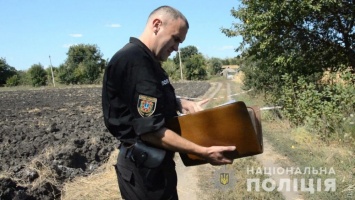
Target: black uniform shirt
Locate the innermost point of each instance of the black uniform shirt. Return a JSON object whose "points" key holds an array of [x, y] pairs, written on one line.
{"points": [[137, 96]]}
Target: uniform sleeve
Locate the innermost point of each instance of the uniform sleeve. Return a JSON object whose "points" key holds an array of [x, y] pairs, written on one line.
{"points": [[147, 103]]}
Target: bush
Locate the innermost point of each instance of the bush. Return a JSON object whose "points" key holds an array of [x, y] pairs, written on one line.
{"points": [[325, 108], [215, 66], [13, 81], [25, 78], [38, 75], [6, 71], [83, 65], [195, 68], [92, 72], [66, 75], [172, 69]]}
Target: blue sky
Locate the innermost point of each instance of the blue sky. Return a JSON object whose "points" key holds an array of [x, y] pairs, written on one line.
{"points": [[33, 30]]}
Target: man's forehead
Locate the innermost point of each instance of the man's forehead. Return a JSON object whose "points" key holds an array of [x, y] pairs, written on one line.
{"points": [[180, 29]]}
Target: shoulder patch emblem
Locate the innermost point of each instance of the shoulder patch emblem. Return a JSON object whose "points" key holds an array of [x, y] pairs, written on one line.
{"points": [[146, 105]]}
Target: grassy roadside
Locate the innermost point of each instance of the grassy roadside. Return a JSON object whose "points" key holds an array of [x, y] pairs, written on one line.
{"points": [[304, 151]]}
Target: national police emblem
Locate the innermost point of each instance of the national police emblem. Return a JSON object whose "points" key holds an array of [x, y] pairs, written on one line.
{"points": [[225, 178], [146, 105]]}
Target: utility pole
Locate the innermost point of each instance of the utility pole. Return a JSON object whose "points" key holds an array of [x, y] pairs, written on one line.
{"points": [[180, 65], [50, 61]]}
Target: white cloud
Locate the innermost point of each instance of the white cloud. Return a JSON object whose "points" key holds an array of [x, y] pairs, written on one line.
{"points": [[114, 25], [76, 35]]}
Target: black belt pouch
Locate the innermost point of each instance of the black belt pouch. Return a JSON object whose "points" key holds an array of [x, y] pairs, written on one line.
{"points": [[147, 156]]}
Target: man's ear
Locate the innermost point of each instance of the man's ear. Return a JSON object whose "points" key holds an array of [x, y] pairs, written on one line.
{"points": [[156, 25]]}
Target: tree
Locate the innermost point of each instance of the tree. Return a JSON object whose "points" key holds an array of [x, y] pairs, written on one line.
{"points": [[83, 65], [38, 75], [300, 38], [185, 53], [92, 71], [172, 69], [195, 68], [193, 62], [232, 61], [6, 71], [215, 65], [66, 74], [13, 81], [25, 78]]}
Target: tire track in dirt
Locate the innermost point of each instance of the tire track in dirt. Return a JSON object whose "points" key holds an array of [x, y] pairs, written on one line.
{"points": [[269, 159], [188, 180], [228, 92], [216, 87], [188, 185]]}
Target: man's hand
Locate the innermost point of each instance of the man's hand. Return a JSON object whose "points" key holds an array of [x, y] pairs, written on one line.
{"points": [[168, 139], [191, 106], [214, 155]]}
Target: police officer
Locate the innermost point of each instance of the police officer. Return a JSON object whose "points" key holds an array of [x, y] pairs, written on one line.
{"points": [[137, 99]]}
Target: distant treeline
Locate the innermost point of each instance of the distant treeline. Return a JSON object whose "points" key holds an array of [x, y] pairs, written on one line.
{"points": [[85, 65]]}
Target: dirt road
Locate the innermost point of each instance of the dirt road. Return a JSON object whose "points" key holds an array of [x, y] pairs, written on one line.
{"points": [[188, 180], [189, 177]]}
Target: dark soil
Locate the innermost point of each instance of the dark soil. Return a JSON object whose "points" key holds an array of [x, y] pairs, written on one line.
{"points": [[49, 136]]}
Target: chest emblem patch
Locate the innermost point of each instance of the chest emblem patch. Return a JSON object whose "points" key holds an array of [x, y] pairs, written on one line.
{"points": [[146, 105]]}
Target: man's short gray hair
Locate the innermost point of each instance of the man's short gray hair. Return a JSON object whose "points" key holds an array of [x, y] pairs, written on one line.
{"points": [[171, 12]]}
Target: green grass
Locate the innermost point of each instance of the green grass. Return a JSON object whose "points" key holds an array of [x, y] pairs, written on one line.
{"points": [[304, 150]]}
